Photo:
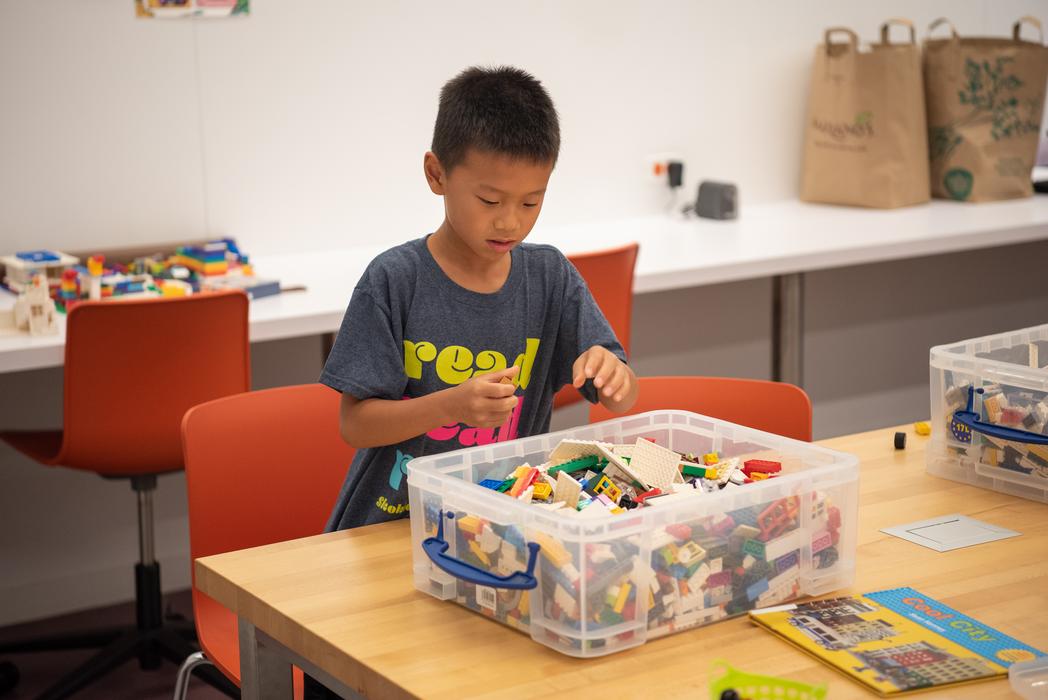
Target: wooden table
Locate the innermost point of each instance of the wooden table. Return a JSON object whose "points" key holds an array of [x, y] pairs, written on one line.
{"points": [[344, 607]]}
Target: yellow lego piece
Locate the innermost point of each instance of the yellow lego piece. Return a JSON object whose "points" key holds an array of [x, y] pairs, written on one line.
{"points": [[552, 549], [690, 552], [471, 524], [541, 490], [710, 458], [624, 594], [711, 473], [608, 488], [1039, 450], [525, 604], [758, 476], [922, 428], [474, 547], [992, 406]]}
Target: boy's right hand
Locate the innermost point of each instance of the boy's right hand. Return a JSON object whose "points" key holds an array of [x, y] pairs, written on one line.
{"points": [[486, 401]]}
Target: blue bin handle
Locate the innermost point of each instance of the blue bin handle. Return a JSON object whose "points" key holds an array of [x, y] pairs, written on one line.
{"points": [[437, 550], [970, 418]]}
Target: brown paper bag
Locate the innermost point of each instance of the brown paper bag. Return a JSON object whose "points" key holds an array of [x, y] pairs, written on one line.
{"points": [[985, 100], [865, 138]]}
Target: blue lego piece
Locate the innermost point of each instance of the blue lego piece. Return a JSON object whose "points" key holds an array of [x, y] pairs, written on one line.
{"points": [[514, 536], [37, 256], [745, 516], [490, 483], [756, 589]]}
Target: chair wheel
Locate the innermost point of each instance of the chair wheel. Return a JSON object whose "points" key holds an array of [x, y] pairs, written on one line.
{"points": [[8, 676]]}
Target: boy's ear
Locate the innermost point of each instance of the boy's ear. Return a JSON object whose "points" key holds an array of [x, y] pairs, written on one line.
{"points": [[435, 175]]}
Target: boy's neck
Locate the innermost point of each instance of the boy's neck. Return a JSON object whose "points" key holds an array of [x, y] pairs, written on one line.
{"points": [[464, 267]]}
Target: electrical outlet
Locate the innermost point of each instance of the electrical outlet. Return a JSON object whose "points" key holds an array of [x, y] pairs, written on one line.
{"points": [[657, 165]]}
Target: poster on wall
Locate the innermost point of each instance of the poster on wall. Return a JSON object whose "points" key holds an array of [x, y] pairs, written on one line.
{"points": [[173, 9]]}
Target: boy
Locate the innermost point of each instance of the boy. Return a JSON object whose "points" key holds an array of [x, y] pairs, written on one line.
{"points": [[476, 328]]}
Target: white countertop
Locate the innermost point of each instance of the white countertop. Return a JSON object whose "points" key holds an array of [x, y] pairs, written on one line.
{"points": [[769, 239]]}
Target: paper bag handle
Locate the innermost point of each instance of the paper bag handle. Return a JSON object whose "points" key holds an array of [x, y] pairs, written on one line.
{"points": [[941, 21], [900, 21], [1033, 21], [853, 40]]}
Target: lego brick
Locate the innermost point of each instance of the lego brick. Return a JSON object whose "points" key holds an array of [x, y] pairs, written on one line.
{"points": [[820, 541], [783, 545], [471, 524], [567, 491], [655, 465], [542, 491], [765, 466]]}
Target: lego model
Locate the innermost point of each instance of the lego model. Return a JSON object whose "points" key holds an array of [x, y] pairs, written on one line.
{"points": [[34, 310], [20, 269]]}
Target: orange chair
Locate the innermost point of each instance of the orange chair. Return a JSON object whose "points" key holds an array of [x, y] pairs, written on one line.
{"points": [[132, 369], [773, 407], [250, 458], [609, 276]]}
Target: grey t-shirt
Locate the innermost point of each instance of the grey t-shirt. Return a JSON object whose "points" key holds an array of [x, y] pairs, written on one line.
{"points": [[410, 331]]}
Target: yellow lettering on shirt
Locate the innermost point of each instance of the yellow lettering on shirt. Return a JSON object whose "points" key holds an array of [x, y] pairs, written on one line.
{"points": [[415, 354], [454, 364]]}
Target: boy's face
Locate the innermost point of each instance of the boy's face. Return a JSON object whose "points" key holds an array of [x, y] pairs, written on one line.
{"points": [[491, 201]]}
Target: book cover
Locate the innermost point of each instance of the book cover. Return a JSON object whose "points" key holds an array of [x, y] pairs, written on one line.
{"points": [[896, 641]]}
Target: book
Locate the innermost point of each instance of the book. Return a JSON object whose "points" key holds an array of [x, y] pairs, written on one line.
{"points": [[896, 641]]}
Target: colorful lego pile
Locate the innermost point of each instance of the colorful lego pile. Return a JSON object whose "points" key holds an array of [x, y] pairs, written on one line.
{"points": [[1009, 407], [593, 479], [609, 587], [213, 266]]}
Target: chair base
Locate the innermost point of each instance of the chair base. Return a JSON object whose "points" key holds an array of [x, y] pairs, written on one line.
{"points": [[171, 643]]}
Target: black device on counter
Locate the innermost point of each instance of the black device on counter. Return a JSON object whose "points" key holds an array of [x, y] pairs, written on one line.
{"points": [[717, 200]]}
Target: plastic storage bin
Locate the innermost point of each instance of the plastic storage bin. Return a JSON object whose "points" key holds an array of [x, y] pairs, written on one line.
{"points": [[989, 402], [589, 587]]}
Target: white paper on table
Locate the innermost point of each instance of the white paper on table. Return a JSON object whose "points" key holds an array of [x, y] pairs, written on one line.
{"points": [[948, 532]]}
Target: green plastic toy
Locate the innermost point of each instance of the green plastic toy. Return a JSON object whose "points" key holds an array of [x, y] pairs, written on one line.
{"points": [[751, 686]]}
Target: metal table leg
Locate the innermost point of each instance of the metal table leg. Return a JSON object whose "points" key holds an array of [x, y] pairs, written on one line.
{"points": [[265, 668], [265, 672], [787, 319]]}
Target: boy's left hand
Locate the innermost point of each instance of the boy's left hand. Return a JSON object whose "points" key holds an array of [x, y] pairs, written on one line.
{"points": [[611, 377]]}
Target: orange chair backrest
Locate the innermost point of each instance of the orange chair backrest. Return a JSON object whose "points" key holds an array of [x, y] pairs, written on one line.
{"points": [[262, 467], [774, 407], [132, 370], [609, 276]]}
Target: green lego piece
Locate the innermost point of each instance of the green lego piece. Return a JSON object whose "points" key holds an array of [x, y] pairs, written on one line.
{"points": [[575, 465], [609, 617], [754, 547], [688, 470], [506, 485]]}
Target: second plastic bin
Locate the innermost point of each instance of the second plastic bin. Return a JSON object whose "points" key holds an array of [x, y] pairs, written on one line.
{"points": [[602, 585], [989, 408]]}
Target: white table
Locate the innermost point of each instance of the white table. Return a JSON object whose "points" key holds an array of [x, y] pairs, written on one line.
{"points": [[781, 240]]}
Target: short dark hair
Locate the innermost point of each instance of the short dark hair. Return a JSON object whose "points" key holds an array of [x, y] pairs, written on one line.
{"points": [[502, 110]]}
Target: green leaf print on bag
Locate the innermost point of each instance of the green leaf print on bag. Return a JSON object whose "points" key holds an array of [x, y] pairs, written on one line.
{"points": [[941, 141], [989, 89]]}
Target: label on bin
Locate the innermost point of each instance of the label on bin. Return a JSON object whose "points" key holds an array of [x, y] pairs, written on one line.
{"points": [[486, 597]]}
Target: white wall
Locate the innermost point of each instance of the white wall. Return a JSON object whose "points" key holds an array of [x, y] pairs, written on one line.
{"points": [[303, 127]]}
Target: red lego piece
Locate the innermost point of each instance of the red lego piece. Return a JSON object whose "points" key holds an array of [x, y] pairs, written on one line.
{"points": [[647, 494], [764, 466], [834, 519], [679, 530], [778, 517]]}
